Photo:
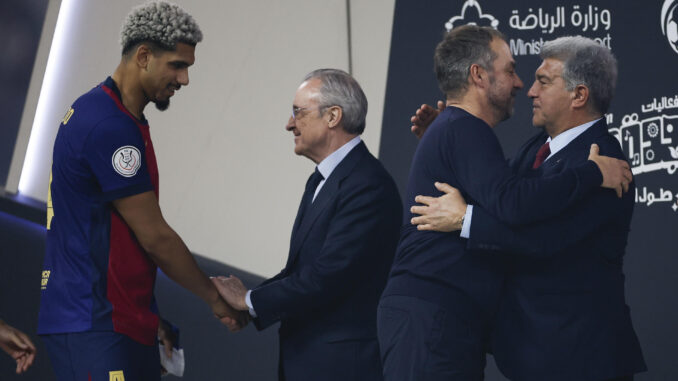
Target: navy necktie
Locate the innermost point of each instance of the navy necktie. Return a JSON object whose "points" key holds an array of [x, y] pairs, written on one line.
{"points": [[312, 183], [542, 154]]}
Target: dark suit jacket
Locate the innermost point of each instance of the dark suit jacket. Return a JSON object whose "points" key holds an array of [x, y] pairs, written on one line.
{"points": [[340, 254], [564, 316]]}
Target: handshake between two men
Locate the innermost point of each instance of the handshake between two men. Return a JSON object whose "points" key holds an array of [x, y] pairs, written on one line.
{"points": [[234, 292]]}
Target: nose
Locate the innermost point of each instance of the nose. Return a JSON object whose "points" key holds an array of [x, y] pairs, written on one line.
{"points": [[518, 84], [291, 123], [182, 77], [532, 93]]}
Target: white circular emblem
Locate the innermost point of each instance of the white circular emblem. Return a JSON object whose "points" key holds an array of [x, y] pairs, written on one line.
{"points": [[669, 22], [126, 161]]}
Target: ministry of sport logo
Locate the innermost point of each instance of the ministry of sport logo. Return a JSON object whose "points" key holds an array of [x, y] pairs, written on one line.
{"points": [[472, 14], [126, 161], [669, 22]]}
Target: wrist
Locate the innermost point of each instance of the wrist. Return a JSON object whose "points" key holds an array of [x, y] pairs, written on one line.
{"points": [[243, 303], [213, 299]]}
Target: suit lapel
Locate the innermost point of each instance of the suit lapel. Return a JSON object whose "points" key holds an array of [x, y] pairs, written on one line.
{"points": [[329, 191], [300, 211]]}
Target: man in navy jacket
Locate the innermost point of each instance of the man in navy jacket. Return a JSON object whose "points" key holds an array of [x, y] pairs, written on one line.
{"points": [[563, 315], [436, 312], [342, 244]]}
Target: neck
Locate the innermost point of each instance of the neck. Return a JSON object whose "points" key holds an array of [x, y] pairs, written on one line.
{"points": [[133, 97], [473, 103], [334, 142]]}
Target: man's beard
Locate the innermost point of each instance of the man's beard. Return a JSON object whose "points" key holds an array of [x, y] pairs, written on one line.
{"points": [[162, 105], [503, 105]]}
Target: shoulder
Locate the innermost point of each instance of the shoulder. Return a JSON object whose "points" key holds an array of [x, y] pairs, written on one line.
{"points": [[95, 104], [454, 120], [469, 130], [115, 128], [95, 109], [364, 163], [610, 145], [369, 178], [456, 132]]}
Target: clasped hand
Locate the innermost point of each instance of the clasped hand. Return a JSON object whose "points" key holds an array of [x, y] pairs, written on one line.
{"points": [[233, 292]]}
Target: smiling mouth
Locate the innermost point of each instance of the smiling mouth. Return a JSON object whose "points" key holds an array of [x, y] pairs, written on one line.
{"points": [[173, 88]]}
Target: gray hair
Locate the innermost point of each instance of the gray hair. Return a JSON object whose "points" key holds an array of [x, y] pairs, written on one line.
{"points": [[161, 23], [459, 49], [585, 62], [340, 89]]}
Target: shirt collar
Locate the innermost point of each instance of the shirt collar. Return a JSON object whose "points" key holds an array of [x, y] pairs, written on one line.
{"points": [[329, 163], [110, 83], [566, 137]]}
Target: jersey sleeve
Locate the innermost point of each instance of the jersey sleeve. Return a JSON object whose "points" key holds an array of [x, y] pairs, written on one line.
{"points": [[115, 152]]}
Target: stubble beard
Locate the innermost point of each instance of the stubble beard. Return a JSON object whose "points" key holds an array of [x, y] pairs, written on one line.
{"points": [[503, 105]]}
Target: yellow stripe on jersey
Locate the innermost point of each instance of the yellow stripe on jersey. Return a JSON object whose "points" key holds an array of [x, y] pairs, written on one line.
{"points": [[50, 209]]}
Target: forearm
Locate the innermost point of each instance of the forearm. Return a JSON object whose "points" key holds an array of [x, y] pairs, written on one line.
{"points": [[142, 214], [601, 210], [172, 256], [527, 200], [298, 294]]}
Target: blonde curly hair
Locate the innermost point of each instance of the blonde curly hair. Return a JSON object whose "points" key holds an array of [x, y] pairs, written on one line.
{"points": [[161, 23]]}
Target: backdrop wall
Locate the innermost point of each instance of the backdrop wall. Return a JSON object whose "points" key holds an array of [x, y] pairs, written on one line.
{"points": [[643, 116], [227, 167]]}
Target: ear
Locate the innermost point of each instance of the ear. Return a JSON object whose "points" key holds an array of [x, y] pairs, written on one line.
{"points": [[477, 75], [142, 56], [580, 96], [334, 115]]}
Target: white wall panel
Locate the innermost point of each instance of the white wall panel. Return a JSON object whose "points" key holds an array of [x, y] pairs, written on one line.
{"points": [[230, 183]]}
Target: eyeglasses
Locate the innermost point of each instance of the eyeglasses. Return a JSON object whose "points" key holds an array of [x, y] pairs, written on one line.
{"points": [[297, 110]]}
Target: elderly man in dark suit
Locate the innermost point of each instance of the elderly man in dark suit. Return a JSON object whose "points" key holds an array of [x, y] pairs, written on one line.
{"points": [[342, 244], [563, 315]]}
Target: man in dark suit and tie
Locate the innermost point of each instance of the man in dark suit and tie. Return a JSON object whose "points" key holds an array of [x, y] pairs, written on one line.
{"points": [[563, 314], [342, 244], [436, 312]]}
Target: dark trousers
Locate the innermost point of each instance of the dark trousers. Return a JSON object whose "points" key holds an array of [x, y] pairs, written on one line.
{"points": [[337, 360], [420, 340], [101, 356]]}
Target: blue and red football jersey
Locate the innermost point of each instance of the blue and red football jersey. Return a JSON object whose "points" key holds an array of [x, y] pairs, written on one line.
{"points": [[96, 276]]}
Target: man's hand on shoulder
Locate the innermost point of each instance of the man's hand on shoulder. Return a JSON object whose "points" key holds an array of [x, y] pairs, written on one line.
{"points": [[423, 117], [616, 173], [442, 214]]}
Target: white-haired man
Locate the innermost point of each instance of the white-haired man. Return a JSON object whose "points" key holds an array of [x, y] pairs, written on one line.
{"points": [[342, 243], [105, 232], [563, 315]]}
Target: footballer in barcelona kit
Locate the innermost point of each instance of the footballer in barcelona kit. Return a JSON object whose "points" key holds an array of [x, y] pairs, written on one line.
{"points": [[97, 281]]}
